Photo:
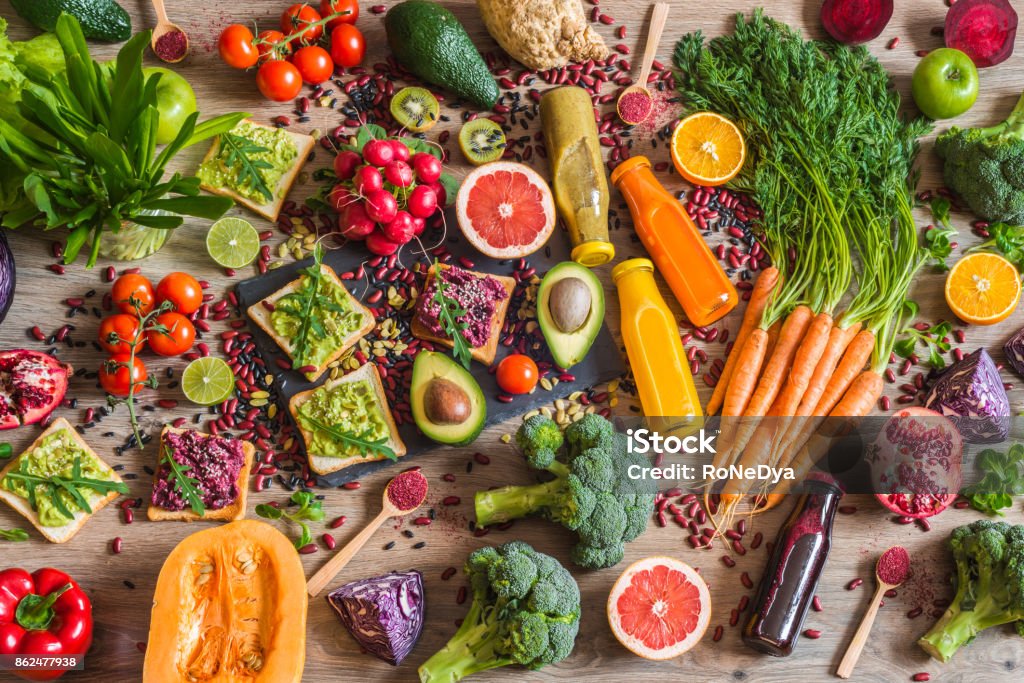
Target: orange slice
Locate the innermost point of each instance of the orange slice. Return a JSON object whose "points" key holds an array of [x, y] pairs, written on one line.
{"points": [[708, 149], [983, 288]]}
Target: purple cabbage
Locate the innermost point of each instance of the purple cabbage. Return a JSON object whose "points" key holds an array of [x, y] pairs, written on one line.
{"points": [[971, 394], [1014, 350], [384, 614], [7, 276]]}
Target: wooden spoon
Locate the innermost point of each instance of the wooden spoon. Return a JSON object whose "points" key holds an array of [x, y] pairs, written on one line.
{"points": [[658, 18], [327, 573], [163, 27], [856, 646]]}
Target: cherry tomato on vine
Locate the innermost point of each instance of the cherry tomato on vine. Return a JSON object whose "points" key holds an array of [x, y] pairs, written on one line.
{"points": [[182, 290], [119, 329], [236, 48], [296, 18], [348, 47], [114, 377], [272, 46], [328, 7], [279, 81], [133, 294], [517, 374], [314, 64], [176, 339]]}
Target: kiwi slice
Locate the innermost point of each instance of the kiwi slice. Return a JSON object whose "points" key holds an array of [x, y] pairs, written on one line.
{"points": [[482, 140], [415, 109]]}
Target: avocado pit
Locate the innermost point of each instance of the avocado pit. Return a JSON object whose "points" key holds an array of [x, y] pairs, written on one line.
{"points": [[569, 304], [445, 402]]}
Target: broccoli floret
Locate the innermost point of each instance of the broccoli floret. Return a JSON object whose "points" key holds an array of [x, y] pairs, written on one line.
{"points": [[527, 621], [591, 492], [989, 559], [985, 166]]}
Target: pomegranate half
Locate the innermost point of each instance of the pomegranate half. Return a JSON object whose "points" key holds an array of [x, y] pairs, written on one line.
{"points": [[32, 384]]}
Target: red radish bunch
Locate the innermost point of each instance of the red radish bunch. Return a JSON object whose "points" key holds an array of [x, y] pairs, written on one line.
{"points": [[385, 193]]}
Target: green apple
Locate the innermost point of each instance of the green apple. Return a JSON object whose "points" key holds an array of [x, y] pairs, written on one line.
{"points": [[175, 101], [945, 83]]}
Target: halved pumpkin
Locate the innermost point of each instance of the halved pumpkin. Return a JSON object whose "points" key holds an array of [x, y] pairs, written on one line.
{"points": [[230, 607]]}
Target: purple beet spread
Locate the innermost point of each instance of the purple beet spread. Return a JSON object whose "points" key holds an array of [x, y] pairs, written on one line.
{"points": [[213, 461], [478, 296]]}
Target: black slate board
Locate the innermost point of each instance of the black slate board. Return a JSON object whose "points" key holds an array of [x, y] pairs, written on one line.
{"points": [[602, 364]]}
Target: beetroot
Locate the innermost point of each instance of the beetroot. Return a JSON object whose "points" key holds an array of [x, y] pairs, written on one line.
{"points": [[984, 29], [32, 384], [855, 21]]}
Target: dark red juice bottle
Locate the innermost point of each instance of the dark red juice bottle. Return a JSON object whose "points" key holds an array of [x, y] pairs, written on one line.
{"points": [[788, 584]]}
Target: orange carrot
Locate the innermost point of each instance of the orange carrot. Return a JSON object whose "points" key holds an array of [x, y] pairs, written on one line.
{"points": [[773, 338], [805, 361], [856, 357], [759, 296], [748, 371]]}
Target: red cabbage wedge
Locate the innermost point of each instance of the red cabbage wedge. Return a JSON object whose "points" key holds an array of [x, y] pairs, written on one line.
{"points": [[852, 22], [384, 614], [984, 29], [7, 276], [972, 395]]}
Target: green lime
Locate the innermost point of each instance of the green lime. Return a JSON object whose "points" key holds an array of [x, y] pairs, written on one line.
{"points": [[233, 242], [208, 381]]}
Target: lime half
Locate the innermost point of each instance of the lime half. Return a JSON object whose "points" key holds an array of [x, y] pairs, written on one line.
{"points": [[208, 381], [233, 242]]}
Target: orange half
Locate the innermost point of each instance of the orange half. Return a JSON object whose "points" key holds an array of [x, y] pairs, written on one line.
{"points": [[983, 288], [708, 149]]}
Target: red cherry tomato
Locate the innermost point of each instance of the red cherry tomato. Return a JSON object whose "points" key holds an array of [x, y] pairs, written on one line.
{"points": [[279, 81], [114, 376], [348, 47], [272, 46], [236, 48], [517, 374], [176, 339], [182, 290], [314, 64], [133, 294], [117, 330], [296, 18], [328, 7]]}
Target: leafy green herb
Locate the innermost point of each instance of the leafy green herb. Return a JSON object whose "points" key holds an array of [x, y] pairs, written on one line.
{"points": [[364, 443], [935, 338], [939, 246], [449, 312], [240, 154], [310, 509], [1007, 240], [1003, 478], [15, 535], [54, 485], [179, 478], [940, 211]]}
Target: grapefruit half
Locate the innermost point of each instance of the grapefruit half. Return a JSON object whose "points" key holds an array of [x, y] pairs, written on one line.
{"points": [[659, 608], [505, 209]]}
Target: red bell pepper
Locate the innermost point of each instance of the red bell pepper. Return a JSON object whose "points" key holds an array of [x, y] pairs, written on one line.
{"points": [[45, 613]]}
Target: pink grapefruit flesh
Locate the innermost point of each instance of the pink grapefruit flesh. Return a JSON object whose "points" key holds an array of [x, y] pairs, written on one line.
{"points": [[505, 210]]}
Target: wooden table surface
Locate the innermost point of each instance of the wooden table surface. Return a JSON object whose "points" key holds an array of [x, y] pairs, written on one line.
{"points": [[122, 613]]}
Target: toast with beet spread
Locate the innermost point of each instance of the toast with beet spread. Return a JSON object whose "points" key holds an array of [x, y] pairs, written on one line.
{"points": [[325, 464], [58, 534], [229, 513], [261, 315], [485, 352]]}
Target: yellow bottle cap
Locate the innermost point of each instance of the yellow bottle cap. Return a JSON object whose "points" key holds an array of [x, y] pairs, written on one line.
{"points": [[630, 265], [627, 166], [593, 253]]}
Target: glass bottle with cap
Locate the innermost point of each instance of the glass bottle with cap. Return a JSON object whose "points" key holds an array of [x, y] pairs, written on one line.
{"points": [[651, 335], [675, 244], [577, 172]]}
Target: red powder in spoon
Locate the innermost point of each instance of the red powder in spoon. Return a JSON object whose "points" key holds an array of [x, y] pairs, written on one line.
{"points": [[635, 106], [171, 46], [408, 490], [893, 566]]}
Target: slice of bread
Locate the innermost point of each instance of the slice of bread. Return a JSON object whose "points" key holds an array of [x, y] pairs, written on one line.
{"points": [[325, 464], [270, 210], [261, 316], [58, 534], [485, 354], [229, 513]]}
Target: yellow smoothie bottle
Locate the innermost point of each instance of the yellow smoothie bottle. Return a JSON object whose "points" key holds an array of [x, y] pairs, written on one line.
{"points": [[655, 351]]}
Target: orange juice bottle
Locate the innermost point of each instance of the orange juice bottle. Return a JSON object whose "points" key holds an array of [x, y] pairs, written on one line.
{"points": [[675, 244], [655, 351]]}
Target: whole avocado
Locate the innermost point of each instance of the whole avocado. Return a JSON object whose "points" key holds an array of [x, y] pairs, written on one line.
{"points": [[102, 20], [430, 42]]}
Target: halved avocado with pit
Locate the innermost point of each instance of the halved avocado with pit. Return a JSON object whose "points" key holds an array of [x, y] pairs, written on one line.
{"points": [[570, 310], [446, 401]]}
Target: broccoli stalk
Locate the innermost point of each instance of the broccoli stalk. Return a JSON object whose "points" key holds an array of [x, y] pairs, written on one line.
{"points": [[985, 166], [513, 502], [989, 559], [473, 648]]}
